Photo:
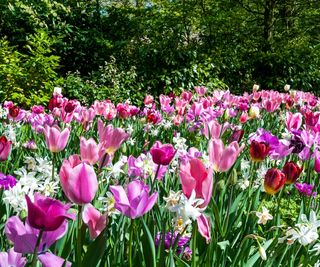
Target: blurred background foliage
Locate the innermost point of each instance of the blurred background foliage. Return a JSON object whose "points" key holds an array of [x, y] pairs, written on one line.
{"points": [[96, 49]]}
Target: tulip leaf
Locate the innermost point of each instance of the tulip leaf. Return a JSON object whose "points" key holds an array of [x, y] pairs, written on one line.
{"points": [[151, 243], [95, 251]]}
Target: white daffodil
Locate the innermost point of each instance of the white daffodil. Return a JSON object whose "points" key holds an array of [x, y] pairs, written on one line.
{"points": [[172, 200], [243, 184], [316, 249], [264, 216]]}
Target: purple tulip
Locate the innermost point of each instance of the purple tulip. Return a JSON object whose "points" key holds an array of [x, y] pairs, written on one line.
{"points": [[12, 258], [7, 181], [24, 238], [162, 154], [46, 213], [136, 201]]}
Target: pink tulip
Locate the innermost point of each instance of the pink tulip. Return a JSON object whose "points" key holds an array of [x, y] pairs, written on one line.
{"points": [[89, 150], [223, 158], [162, 154], [5, 148], [194, 176], [204, 227], [148, 100], [95, 221], [293, 121], [78, 180], [111, 138], [56, 139], [317, 161], [212, 129], [47, 213], [136, 201]]}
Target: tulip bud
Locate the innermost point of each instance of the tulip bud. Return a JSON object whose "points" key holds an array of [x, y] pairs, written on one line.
{"points": [[254, 112], [274, 181], [292, 172], [221, 184], [259, 150], [287, 87], [234, 177]]}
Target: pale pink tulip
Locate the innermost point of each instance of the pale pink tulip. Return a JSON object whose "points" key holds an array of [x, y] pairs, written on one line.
{"points": [[95, 221], [56, 139], [78, 180], [89, 150], [293, 121], [223, 158], [204, 227]]}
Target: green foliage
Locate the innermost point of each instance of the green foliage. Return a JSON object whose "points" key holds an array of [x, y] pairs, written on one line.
{"points": [[28, 78]]}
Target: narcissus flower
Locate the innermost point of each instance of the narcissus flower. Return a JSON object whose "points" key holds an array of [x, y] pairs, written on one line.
{"points": [[292, 172], [259, 150], [274, 180]]}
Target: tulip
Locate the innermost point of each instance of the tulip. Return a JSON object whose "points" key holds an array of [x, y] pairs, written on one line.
{"points": [[194, 176], [204, 227], [223, 158], [12, 258], [5, 148], [317, 161], [78, 180], [136, 202], [148, 100], [24, 238], [47, 213], [14, 111], [95, 221], [259, 150], [56, 139], [293, 121], [311, 118], [89, 150], [274, 181], [255, 88], [292, 172], [7, 181], [162, 154], [254, 112], [236, 136], [212, 129]]}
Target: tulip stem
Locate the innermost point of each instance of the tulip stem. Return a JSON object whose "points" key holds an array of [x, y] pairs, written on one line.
{"points": [[194, 244], [155, 177], [130, 242], [53, 163], [35, 252], [79, 241]]}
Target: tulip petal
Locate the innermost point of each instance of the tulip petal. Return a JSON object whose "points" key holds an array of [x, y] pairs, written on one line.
{"points": [[51, 260], [204, 227]]}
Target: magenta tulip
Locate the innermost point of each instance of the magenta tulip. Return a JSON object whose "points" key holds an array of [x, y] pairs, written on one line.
{"points": [[89, 150], [78, 180], [136, 201], [194, 176], [5, 148], [95, 221], [56, 139], [162, 154], [47, 213], [223, 158]]}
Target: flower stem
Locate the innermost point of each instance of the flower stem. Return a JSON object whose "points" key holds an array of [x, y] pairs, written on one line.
{"points": [[155, 177], [53, 163], [35, 252], [194, 244], [130, 242], [79, 240]]}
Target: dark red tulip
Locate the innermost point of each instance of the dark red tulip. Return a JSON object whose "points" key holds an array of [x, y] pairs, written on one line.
{"points": [[14, 111], [70, 106], [292, 172], [274, 180], [311, 118], [236, 136], [259, 150]]}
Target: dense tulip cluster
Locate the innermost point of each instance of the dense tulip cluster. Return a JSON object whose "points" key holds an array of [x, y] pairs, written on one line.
{"points": [[197, 179]]}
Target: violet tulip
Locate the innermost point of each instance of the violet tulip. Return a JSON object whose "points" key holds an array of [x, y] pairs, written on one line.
{"points": [[12, 258], [195, 176], [136, 201], [78, 180], [5, 148], [24, 238], [47, 213], [56, 139], [95, 221], [274, 180], [162, 154], [89, 150], [222, 157]]}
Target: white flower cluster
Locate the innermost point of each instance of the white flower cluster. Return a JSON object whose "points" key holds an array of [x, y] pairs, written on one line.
{"points": [[305, 232], [35, 177], [186, 209]]}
